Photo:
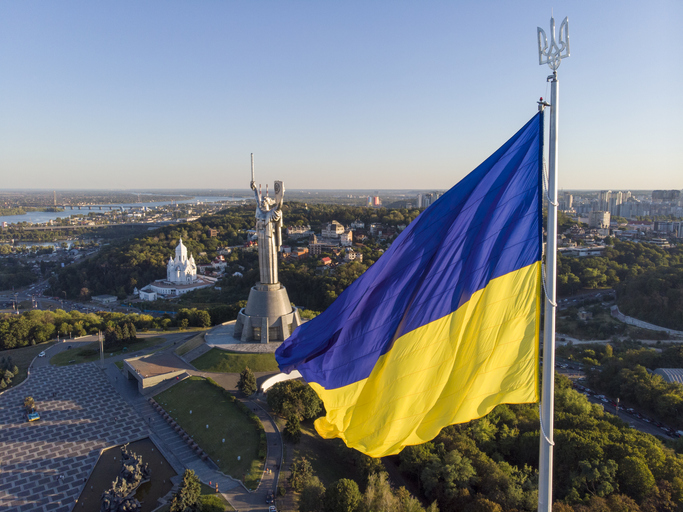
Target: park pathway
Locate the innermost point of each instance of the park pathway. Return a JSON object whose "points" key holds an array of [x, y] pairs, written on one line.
{"points": [[181, 456], [255, 500], [177, 452]]}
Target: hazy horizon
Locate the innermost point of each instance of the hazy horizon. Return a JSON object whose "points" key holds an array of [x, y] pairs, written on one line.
{"points": [[379, 95]]}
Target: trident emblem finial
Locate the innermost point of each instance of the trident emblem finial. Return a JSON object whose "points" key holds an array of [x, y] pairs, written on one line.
{"points": [[556, 52]]}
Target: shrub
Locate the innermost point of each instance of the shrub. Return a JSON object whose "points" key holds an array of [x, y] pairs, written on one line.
{"points": [[247, 382]]}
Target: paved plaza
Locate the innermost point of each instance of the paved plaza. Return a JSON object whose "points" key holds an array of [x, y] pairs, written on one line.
{"points": [[221, 337], [84, 409], [44, 464]]}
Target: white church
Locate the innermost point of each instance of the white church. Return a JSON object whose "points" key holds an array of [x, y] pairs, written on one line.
{"points": [[181, 277]]}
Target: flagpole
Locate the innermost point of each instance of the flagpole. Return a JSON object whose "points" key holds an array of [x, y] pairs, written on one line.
{"points": [[551, 55]]}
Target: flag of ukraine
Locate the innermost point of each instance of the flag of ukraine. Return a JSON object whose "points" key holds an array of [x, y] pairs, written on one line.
{"points": [[444, 326]]}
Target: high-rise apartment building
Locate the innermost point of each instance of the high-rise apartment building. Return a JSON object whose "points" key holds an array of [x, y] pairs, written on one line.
{"points": [[599, 220]]}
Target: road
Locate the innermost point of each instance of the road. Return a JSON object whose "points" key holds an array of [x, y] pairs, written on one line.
{"points": [[579, 299], [575, 372], [34, 292]]}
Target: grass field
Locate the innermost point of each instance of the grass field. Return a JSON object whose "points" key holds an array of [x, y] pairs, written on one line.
{"points": [[91, 352], [223, 361], [190, 344], [211, 502], [320, 452], [195, 403], [22, 357]]}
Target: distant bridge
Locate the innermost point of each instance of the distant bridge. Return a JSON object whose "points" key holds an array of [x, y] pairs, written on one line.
{"points": [[121, 207]]}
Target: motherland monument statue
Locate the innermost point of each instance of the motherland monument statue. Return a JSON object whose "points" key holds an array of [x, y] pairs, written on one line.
{"points": [[269, 316]]}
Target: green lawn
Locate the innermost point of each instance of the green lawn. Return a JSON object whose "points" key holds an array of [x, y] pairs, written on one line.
{"points": [[91, 352], [322, 454], [22, 357], [119, 364], [223, 361], [211, 502], [194, 403]]}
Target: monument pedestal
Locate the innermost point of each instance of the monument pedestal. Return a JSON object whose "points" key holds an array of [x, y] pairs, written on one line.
{"points": [[269, 316]]}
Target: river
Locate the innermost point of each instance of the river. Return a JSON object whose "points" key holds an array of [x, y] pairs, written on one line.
{"points": [[44, 217]]}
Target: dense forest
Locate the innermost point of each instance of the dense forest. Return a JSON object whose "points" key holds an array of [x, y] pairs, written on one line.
{"points": [[598, 459], [491, 464], [621, 261], [648, 279], [655, 296]]}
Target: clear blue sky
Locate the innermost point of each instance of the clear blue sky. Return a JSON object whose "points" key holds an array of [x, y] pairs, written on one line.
{"points": [[352, 94]]}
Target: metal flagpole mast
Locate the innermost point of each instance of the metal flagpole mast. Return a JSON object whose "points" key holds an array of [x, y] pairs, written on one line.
{"points": [[551, 55]]}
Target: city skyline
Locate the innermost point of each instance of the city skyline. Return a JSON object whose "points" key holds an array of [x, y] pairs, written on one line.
{"points": [[383, 96]]}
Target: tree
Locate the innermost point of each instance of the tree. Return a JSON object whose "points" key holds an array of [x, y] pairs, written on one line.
{"points": [[378, 495], [343, 496], [293, 429], [622, 503], [187, 497], [125, 333], [294, 397], [184, 324], [247, 382], [635, 477], [64, 328], [596, 477], [312, 497], [481, 504], [203, 318], [660, 499], [301, 472], [110, 337], [413, 458], [409, 503], [442, 479]]}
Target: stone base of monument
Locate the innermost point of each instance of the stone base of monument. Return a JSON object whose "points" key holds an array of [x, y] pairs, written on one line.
{"points": [[269, 316]]}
